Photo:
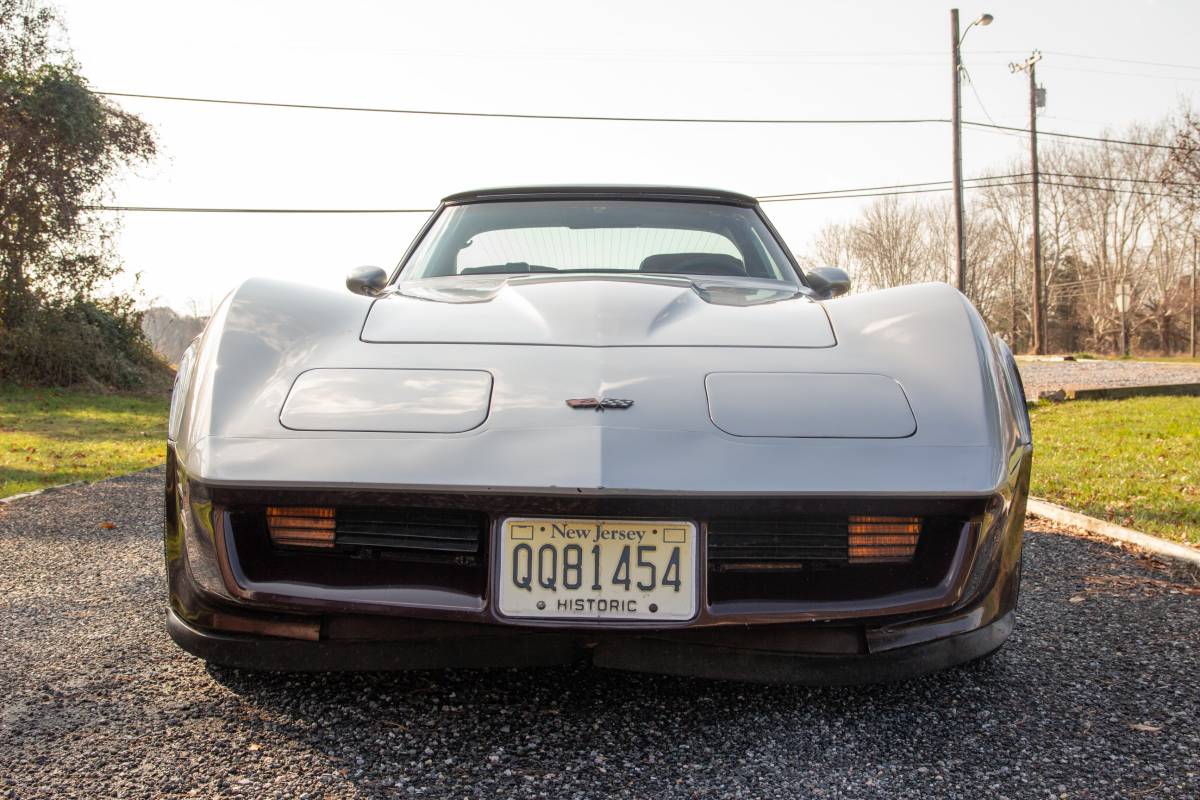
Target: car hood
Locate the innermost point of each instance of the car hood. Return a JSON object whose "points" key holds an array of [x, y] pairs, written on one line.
{"points": [[599, 311]]}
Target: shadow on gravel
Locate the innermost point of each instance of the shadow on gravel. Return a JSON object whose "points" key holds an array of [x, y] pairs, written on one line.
{"points": [[579, 684], [1095, 695], [538, 721], [1093, 692]]}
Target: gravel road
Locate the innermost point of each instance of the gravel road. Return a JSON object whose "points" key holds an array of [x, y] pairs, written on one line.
{"points": [[1097, 695], [1047, 376]]}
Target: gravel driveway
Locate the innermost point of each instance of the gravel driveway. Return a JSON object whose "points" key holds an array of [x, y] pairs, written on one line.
{"points": [[1048, 376], [1096, 695]]}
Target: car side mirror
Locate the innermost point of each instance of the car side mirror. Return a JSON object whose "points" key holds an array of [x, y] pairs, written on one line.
{"points": [[368, 281], [828, 282]]}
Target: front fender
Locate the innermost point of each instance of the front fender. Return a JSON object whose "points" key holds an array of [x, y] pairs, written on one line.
{"points": [[263, 329]]}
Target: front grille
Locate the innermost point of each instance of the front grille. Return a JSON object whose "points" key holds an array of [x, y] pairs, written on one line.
{"points": [[441, 542], [437, 535], [830, 555], [776, 543]]}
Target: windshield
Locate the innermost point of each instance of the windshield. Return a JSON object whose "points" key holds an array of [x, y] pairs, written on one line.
{"points": [[607, 236]]}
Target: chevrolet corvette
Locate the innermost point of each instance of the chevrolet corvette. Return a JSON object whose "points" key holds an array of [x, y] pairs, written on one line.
{"points": [[615, 424]]}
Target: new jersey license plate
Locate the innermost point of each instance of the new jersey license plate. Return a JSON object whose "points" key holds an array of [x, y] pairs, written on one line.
{"points": [[597, 570]]}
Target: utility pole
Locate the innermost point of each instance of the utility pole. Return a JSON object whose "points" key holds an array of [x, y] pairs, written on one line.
{"points": [[1039, 332], [1124, 334], [960, 262], [1122, 297], [1195, 245]]}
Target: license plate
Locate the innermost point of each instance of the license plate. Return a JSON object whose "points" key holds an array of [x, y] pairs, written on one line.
{"points": [[597, 570]]}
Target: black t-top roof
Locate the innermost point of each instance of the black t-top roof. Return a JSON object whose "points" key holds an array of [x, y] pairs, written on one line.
{"points": [[610, 192]]}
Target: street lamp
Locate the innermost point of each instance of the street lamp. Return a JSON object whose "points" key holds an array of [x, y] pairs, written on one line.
{"points": [[984, 20], [956, 40]]}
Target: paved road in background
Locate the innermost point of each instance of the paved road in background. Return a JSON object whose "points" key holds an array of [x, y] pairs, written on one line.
{"points": [[1048, 376], [1097, 695]]}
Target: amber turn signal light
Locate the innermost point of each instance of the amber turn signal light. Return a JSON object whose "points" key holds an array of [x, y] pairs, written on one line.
{"points": [[883, 538], [301, 526]]}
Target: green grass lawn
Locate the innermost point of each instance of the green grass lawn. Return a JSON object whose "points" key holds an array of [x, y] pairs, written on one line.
{"points": [[1135, 462], [53, 436]]}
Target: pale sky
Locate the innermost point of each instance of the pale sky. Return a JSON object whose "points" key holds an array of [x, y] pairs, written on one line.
{"points": [[695, 58]]}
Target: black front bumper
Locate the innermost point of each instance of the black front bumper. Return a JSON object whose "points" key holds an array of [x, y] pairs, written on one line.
{"points": [[224, 619], [639, 653]]}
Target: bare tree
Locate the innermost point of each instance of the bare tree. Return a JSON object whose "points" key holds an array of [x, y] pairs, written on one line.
{"points": [[1110, 214], [831, 248]]}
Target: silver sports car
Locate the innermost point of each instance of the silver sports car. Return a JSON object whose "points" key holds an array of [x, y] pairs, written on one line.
{"points": [[615, 424]]}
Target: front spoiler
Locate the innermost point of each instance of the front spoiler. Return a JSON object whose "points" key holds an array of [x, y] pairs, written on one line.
{"points": [[633, 652]]}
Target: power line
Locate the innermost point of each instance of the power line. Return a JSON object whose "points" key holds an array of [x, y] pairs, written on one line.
{"points": [[1112, 189], [1122, 60], [1126, 180], [931, 58], [601, 118], [1126, 74], [507, 115], [244, 210], [233, 210], [985, 182], [1075, 136], [788, 199], [813, 57], [890, 186], [1019, 134], [921, 187], [844, 196], [192, 210], [839, 191], [974, 91]]}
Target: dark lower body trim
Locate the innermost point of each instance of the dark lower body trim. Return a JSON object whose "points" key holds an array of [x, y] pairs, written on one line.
{"points": [[636, 653], [764, 666]]}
